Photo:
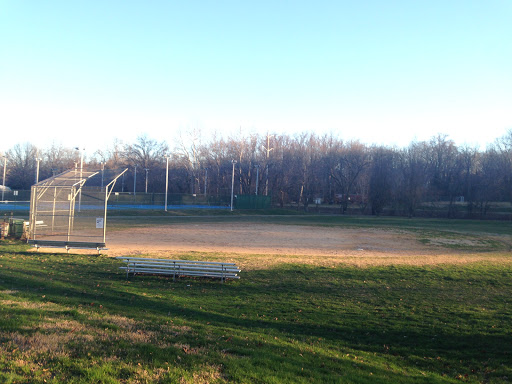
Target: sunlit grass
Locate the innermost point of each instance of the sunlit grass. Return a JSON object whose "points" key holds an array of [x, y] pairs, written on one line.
{"points": [[76, 318]]}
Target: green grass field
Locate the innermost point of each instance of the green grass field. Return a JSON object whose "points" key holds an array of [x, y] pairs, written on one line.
{"points": [[132, 218], [77, 319]]}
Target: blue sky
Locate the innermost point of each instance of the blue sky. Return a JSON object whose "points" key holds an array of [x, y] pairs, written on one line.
{"points": [[384, 72]]}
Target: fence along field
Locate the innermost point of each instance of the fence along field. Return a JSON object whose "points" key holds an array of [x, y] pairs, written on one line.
{"points": [[66, 212], [427, 311]]}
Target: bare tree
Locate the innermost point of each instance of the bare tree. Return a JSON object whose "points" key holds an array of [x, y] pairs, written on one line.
{"points": [[57, 159], [189, 154], [300, 168], [491, 183], [113, 157], [413, 176], [471, 160], [148, 156], [21, 164], [382, 179], [348, 163], [504, 146], [445, 171]]}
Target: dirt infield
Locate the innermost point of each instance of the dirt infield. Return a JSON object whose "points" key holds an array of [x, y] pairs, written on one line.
{"points": [[276, 243], [259, 239]]}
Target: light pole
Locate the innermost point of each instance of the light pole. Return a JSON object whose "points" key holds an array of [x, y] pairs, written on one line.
{"points": [[166, 181], [257, 177], [268, 149], [81, 174], [3, 182], [146, 169], [38, 159], [232, 183], [102, 172]]}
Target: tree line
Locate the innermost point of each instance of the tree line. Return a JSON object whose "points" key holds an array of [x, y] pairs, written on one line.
{"points": [[298, 170]]}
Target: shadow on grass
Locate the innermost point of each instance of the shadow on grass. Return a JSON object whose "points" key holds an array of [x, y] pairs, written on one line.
{"points": [[312, 324]]}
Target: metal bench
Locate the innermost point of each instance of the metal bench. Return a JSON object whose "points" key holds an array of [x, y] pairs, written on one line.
{"points": [[177, 268], [67, 245]]}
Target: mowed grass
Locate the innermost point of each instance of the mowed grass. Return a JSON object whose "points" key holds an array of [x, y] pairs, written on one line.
{"points": [[286, 217], [77, 319]]}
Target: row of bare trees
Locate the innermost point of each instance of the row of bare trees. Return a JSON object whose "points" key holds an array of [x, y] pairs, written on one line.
{"points": [[299, 170]]}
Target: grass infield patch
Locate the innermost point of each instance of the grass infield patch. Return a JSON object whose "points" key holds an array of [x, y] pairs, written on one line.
{"points": [[77, 319]]}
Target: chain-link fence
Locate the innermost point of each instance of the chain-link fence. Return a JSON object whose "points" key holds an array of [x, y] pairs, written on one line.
{"points": [[129, 200], [70, 208], [61, 209], [14, 202]]}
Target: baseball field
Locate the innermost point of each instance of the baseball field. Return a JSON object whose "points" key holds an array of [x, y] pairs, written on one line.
{"points": [[324, 299]]}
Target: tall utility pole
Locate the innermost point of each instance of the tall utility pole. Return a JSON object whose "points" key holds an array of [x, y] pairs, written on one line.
{"points": [[3, 182], [166, 182], [268, 149], [257, 177], [146, 169], [81, 175], [38, 159], [232, 183], [102, 173]]}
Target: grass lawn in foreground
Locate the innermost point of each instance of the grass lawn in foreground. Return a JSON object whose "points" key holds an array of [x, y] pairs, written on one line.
{"points": [[77, 319]]}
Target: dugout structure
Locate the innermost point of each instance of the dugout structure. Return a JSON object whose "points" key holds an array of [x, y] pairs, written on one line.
{"points": [[70, 210]]}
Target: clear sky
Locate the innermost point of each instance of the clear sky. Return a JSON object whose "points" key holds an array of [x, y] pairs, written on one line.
{"points": [[385, 72]]}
